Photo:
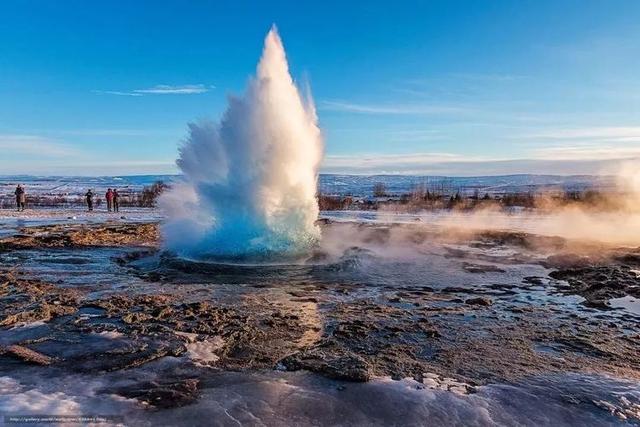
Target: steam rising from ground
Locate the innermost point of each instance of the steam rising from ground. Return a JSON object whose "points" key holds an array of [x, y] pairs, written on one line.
{"points": [[618, 228], [250, 181], [615, 220], [612, 216]]}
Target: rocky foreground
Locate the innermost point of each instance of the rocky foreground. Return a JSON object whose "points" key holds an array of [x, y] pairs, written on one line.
{"points": [[449, 337]]}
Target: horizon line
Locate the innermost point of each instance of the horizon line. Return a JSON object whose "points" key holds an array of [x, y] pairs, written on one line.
{"points": [[30, 175]]}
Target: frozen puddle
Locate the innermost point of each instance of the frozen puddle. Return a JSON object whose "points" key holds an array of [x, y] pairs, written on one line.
{"points": [[203, 353], [628, 303], [78, 397], [283, 398]]}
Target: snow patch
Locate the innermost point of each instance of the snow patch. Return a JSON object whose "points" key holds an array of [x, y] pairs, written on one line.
{"points": [[203, 353]]}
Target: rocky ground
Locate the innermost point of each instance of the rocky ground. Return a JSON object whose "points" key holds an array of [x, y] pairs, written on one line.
{"points": [[79, 236], [447, 337]]}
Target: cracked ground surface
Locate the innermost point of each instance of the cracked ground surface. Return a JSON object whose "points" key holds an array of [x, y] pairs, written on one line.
{"points": [[398, 302]]}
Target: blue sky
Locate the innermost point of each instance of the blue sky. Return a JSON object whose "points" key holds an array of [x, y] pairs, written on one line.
{"points": [[434, 87]]}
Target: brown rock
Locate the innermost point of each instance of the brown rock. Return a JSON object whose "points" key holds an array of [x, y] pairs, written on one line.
{"points": [[27, 355]]}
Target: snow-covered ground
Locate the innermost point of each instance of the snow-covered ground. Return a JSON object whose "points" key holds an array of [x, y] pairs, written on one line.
{"points": [[356, 185], [79, 215], [77, 185], [11, 220]]}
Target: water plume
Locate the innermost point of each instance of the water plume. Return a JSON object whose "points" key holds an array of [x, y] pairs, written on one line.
{"points": [[250, 180]]}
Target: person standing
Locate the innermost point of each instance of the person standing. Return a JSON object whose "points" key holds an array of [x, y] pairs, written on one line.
{"points": [[89, 197], [115, 196], [21, 197], [109, 197]]}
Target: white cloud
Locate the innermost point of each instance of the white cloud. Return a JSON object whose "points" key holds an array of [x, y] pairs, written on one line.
{"points": [[105, 132], [587, 152], [161, 90], [115, 92], [604, 133], [418, 163], [488, 77], [393, 161], [541, 162], [87, 167], [174, 90], [54, 133], [119, 167], [400, 109], [416, 135], [490, 114], [36, 146]]}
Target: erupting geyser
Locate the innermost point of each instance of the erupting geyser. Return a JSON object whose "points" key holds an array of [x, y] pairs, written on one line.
{"points": [[250, 181]]}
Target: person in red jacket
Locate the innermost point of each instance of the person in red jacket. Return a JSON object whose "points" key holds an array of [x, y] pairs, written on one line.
{"points": [[109, 197]]}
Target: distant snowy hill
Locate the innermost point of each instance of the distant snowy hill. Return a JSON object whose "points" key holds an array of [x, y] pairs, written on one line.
{"points": [[360, 185], [357, 185], [76, 185]]}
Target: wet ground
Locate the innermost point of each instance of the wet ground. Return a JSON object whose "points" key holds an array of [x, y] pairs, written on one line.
{"points": [[384, 324]]}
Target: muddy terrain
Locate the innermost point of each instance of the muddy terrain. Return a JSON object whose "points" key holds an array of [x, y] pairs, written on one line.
{"points": [[492, 307], [96, 235]]}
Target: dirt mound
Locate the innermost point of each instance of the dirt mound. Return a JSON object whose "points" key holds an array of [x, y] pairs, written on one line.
{"points": [[25, 300], [70, 236]]}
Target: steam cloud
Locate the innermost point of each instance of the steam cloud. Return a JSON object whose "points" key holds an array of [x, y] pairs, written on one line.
{"points": [[616, 220], [250, 181]]}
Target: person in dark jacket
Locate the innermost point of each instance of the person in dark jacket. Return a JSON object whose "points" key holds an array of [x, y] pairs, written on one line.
{"points": [[109, 198], [116, 205], [21, 197], [89, 197]]}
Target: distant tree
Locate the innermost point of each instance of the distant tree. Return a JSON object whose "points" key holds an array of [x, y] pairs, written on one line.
{"points": [[150, 194], [334, 202], [379, 190]]}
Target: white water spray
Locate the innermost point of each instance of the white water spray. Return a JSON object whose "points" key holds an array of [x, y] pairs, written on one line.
{"points": [[250, 181]]}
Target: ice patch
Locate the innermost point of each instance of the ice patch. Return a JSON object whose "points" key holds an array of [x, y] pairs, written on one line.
{"points": [[112, 335], [437, 382], [203, 353], [27, 325], [15, 399], [302, 398], [188, 336], [75, 396], [628, 303]]}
